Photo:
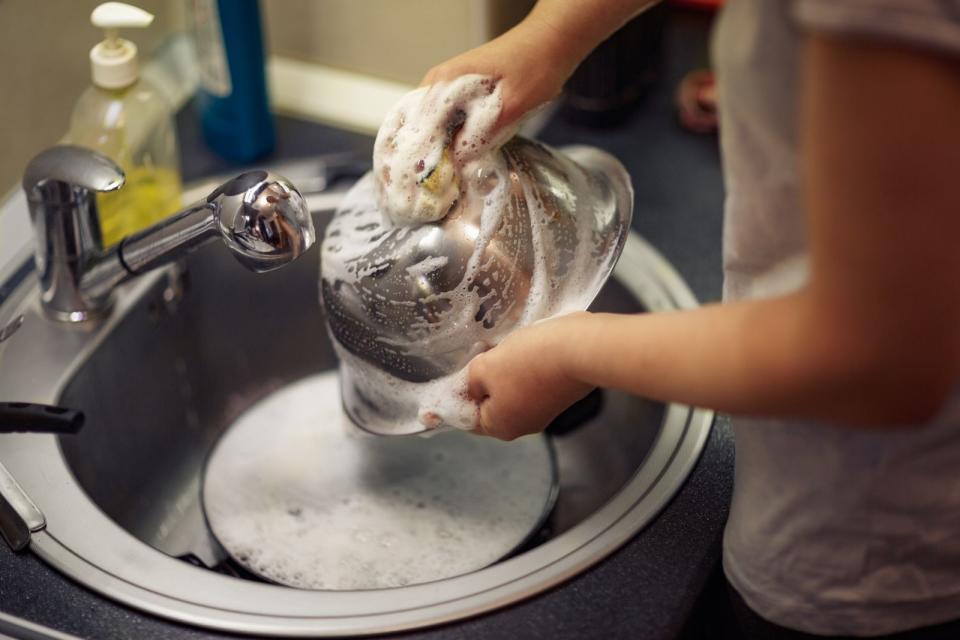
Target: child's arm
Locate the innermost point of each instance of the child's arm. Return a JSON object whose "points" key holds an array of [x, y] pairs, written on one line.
{"points": [[536, 57], [872, 340]]}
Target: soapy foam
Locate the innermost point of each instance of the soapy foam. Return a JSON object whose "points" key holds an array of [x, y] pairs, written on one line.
{"points": [[427, 142], [439, 404], [494, 294], [300, 497]]}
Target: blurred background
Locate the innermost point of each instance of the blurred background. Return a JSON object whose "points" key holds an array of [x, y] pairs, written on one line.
{"points": [[381, 43]]}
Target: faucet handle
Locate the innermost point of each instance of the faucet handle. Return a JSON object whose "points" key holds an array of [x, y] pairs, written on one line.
{"points": [[70, 165], [60, 184]]}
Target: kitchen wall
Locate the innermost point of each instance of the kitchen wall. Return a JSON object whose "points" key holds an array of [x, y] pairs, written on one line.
{"points": [[44, 47], [387, 39]]}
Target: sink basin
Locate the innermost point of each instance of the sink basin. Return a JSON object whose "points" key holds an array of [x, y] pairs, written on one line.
{"points": [[188, 350]]}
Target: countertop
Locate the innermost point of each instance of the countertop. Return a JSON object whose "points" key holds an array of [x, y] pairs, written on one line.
{"points": [[649, 587]]}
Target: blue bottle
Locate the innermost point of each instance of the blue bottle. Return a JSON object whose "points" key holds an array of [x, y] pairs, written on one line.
{"points": [[232, 97]]}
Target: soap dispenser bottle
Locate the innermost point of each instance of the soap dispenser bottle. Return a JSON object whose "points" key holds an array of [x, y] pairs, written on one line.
{"points": [[127, 119]]}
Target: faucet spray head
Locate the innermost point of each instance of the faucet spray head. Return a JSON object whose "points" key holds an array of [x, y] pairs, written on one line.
{"points": [[263, 219]]}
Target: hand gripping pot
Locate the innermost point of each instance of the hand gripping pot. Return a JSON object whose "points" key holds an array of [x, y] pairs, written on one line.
{"points": [[535, 234]]}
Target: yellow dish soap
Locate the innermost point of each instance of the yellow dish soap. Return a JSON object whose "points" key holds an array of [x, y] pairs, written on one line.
{"points": [[127, 119]]}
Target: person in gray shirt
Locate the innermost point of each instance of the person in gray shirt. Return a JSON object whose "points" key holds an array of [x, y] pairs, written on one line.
{"points": [[837, 347]]}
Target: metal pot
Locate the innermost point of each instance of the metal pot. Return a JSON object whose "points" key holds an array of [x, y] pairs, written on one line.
{"points": [[419, 303]]}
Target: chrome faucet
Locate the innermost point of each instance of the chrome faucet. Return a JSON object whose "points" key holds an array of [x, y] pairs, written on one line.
{"points": [[261, 217]]}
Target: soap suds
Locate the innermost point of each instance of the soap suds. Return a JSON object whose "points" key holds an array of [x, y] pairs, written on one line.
{"points": [[299, 496], [428, 140], [427, 266], [438, 405]]}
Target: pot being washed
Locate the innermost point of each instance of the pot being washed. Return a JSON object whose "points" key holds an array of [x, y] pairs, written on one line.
{"points": [[408, 307]]}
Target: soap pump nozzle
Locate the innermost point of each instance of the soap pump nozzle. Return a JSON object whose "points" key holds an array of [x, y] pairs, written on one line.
{"points": [[114, 60]]}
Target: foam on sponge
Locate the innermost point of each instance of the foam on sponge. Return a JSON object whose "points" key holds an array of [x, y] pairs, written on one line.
{"points": [[426, 142]]}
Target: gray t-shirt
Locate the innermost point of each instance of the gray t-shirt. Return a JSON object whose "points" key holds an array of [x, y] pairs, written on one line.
{"points": [[832, 530]]}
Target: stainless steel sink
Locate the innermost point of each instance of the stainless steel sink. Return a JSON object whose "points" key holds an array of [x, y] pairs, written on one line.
{"points": [[185, 352]]}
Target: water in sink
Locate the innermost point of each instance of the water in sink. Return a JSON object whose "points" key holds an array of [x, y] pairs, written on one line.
{"points": [[298, 495]]}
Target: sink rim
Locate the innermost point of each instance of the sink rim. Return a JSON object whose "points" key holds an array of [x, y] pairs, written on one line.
{"points": [[122, 567]]}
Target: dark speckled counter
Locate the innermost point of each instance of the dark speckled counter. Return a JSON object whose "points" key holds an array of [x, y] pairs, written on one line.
{"points": [[648, 588]]}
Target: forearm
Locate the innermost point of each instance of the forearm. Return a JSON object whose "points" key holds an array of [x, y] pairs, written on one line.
{"points": [[532, 60], [571, 30], [778, 357]]}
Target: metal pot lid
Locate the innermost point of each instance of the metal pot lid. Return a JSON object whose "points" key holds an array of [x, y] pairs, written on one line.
{"points": [[299, 496]]}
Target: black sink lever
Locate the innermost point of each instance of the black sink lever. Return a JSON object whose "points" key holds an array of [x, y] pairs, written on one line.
{"points": [[38, 418]]}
